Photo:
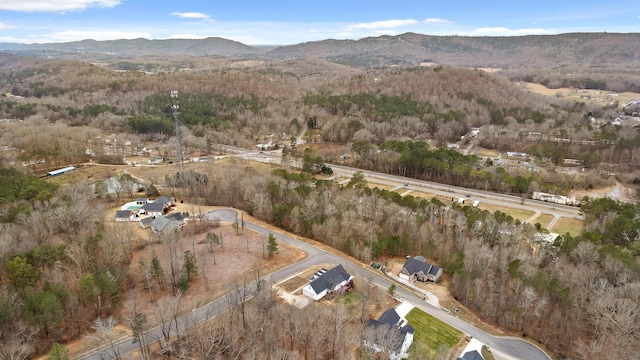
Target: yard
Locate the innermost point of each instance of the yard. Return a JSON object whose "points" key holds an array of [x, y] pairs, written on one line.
{"points": [[568, 225], [432, 336]]}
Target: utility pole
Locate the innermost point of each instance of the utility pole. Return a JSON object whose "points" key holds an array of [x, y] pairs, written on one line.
{"points": [[176, 112]]}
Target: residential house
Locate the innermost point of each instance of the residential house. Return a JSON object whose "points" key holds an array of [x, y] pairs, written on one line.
{"points": [[146, 222], [123, 215], [161, 225], [390, 334], [157, 207], [473, 351], [419, 269], [177, 217], [328, 282], [471, 355]]}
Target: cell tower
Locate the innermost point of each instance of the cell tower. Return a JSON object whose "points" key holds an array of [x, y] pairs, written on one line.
{"points": [[176, 112]]}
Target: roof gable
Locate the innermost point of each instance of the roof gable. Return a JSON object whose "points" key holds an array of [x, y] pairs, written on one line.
{"points": [[121, 214], [434, 270], [414, 266], [329, 279], [390, 317], [176, 216], [153, 206], [472, 355], [163, 200], [390, 335], [145, 222], [161, 224]]}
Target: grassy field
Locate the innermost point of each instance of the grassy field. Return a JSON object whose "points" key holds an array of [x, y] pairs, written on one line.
{"points": [[87, 173], [432, 336], [482, 152], [568, 225], [543, 219], [519, 214]]}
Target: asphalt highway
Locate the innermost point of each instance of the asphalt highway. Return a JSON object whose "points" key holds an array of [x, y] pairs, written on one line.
{"points": [[503, 348]]}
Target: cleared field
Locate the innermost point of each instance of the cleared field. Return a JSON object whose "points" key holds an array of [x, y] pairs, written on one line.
{"points": [[518, 214], [432, 335], [599, 97], [88, 173], [568, 225], [482, 152]]}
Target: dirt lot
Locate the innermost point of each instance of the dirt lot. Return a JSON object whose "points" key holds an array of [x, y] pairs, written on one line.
{"points": [[240, 257], [600, 97]]}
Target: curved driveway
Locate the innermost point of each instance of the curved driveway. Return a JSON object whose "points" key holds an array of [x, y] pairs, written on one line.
{"points": [[503, 348]]}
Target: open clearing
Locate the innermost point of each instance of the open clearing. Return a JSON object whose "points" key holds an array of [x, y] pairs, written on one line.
{"points": [[600, 97], [543, 219], [432, 335], [217, 271], [568, 225]]}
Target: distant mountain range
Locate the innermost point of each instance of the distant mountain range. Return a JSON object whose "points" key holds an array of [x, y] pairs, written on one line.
{"points": [[409, 49]]}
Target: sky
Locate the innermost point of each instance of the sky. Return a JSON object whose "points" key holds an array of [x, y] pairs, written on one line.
{"points": [[280, 22]]}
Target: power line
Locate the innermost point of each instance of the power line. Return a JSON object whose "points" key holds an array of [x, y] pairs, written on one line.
{"points": [[176, 112]]}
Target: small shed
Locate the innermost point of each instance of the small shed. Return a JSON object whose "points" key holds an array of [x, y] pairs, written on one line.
{"points": [[123, 215]]}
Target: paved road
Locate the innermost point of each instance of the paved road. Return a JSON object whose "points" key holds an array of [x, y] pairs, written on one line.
{"points": [[503, 348], [448, 191]]}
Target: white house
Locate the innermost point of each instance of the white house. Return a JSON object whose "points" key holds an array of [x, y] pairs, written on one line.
{"points": [[390, 334], [156, 207], [328, 282]]}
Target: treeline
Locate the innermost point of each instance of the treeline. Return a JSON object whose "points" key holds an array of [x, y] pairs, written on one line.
{"points": [[17, 190], [59, 267], [558, 295], [418, 160]]}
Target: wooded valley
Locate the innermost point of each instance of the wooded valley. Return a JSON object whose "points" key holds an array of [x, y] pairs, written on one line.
{"points": [[62, 265]]}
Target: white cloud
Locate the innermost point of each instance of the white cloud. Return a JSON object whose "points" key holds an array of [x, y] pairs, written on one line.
{"points": [[73, 35], [187, 36], [503, 31], [436, 21], [55, 6], [386, 32], [385, 24], [190, 15], [5, 26]]}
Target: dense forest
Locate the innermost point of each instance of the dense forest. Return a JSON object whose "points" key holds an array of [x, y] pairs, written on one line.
{"points": [[61, 265]]}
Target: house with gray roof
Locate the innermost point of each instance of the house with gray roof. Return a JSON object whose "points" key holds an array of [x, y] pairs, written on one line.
{"points": [[471, 355], [161, 224], [146, 222], [177, 217], [390, 334], [328, 282], [418, 269], [123, 215], [157, 207]]}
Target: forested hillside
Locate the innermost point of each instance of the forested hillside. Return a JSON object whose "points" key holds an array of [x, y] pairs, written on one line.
{"points": [[578, 296]]}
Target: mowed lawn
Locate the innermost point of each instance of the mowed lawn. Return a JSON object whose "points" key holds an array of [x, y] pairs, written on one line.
{"points": [[567, 225], [432, 335]]}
